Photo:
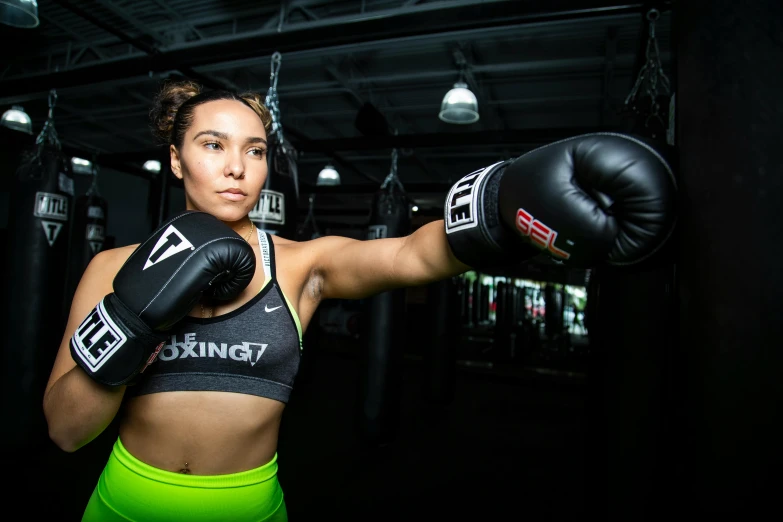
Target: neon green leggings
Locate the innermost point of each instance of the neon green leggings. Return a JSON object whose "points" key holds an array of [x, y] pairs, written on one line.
{"points": [[130, 490]]}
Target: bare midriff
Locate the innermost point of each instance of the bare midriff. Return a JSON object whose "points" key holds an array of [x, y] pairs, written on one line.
{"points": [[203, 432]]}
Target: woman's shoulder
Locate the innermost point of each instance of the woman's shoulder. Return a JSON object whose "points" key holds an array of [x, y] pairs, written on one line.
{"points": [[299, 249], [309, 252], [108, 262], [299, 256]]}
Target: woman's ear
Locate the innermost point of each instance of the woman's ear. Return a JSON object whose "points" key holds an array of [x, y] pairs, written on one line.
{"points": [[176, 166]]}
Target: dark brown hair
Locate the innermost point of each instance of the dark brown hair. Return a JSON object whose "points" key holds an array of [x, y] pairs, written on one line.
{"points": [[172, 111]]}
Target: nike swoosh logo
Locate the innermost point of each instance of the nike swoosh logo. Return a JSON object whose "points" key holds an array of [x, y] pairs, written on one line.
{"points": [[267, 309]]}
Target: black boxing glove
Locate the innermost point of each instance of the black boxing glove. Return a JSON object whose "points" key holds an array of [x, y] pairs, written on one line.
{"points": [[474, 230], [191, 255], [586, 200]]}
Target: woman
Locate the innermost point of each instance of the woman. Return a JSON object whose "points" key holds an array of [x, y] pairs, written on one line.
{"points": [[198, 434], [186, 453]]}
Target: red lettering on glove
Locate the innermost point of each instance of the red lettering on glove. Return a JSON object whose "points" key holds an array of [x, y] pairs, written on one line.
{"points": [[541, 235], [152, 357]]}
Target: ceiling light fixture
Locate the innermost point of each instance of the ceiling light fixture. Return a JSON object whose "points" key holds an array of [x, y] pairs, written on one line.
{"points": [[15, 118], [19, 13], [81, 166], [152, 166], [328, 177], [459, 106]]}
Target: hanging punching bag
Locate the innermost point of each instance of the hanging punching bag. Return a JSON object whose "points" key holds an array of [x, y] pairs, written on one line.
{"points": [[440, 354], [87, 235], [649, 107], [277, 208], [383, 326], [309, 228], [38, 227]]}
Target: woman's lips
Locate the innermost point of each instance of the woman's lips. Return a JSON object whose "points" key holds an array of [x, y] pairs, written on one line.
{"points": [[232, 195]]}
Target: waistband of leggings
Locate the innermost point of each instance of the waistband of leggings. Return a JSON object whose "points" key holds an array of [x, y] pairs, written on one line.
{"points": [[243, 478]]}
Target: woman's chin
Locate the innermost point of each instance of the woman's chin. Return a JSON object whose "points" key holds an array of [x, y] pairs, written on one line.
{"points": [[225, 213]]}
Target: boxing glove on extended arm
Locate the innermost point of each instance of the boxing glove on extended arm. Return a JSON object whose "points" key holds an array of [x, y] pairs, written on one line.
{"points": [[191, 255], [586, 200]]}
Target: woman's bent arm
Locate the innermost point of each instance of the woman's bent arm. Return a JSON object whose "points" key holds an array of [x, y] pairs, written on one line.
{"points": [[77, 408]]}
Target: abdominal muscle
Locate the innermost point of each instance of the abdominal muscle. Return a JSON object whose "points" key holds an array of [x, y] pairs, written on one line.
{"points": [[201, 432]]}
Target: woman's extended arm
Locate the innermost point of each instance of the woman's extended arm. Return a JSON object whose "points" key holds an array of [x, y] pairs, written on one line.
{"points": [[353, 269]]}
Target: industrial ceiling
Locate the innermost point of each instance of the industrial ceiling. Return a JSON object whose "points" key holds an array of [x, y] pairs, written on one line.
{"points": [[540, 70]]}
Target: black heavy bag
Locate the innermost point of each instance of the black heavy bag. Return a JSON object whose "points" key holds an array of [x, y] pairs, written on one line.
{"points": [[88, 235], [12, 142], [485, 290], [440, 352], [476, 297], [277, 208], [383, 331], [553, 311], [38, 226]]}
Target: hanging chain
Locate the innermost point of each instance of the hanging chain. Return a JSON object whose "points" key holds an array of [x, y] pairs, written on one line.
{"points": [[651, 76], [273, 104], [48, 134], [310, 220], [93, 190], [311, 217], [391, 179], [271, 101]]}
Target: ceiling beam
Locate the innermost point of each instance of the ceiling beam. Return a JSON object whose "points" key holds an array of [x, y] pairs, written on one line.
{"points": [[446, 139], [150, 50], [521, 137], [366, 188], [417, 20]]}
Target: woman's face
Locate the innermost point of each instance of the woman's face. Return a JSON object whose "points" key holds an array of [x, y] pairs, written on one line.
{"points": [[222, 160]]}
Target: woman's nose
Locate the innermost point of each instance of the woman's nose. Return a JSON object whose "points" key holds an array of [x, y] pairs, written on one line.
{"points": [[235, 166]]}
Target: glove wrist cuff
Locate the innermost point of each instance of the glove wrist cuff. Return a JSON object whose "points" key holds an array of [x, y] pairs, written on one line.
{"points": [[112, 345], [476, 234]]}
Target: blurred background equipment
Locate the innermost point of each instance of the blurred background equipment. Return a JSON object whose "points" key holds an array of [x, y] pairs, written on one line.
{"points": [[88, 233], [36, 264], [277, 209], [383, 325]]}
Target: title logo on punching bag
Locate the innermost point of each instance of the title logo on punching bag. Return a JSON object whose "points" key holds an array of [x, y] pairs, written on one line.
{"points": [[270, 208], [377, 232], [95, 237], [462, 201], [51, 208]]}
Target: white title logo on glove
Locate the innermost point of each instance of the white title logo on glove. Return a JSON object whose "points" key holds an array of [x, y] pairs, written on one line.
{"points": [[170, 243], [462, 201], [97, 338]]}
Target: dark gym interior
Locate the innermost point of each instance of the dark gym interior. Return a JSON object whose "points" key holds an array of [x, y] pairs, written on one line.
{"points": [[534, 392]]}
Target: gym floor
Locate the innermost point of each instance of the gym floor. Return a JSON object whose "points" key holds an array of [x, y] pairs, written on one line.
{"points": [[505, 448]]}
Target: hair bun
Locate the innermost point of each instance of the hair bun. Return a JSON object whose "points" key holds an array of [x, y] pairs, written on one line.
{"points": [[166, 104]]}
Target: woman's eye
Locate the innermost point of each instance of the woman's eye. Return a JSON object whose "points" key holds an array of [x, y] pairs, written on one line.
{"points": [[258, 152], [212, 145]]}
